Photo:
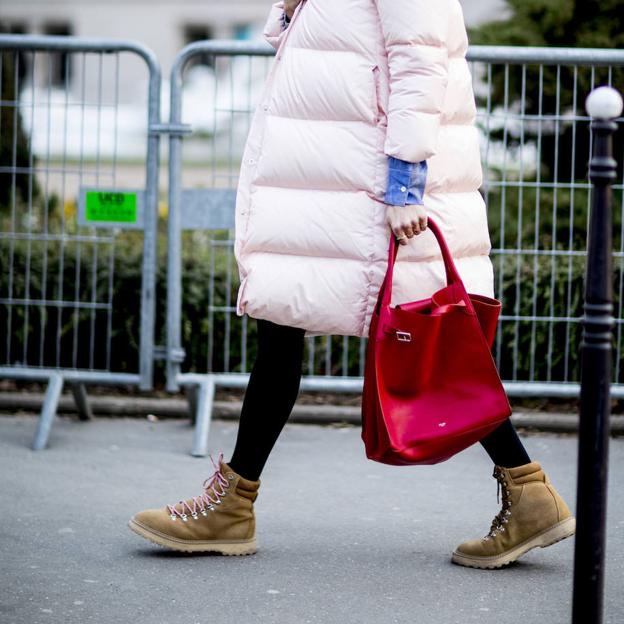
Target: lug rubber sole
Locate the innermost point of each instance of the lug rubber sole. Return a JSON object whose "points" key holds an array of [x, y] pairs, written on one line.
{"points": [[221, 547], [548, 537]]}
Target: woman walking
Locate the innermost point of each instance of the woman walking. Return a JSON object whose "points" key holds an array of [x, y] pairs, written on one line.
{"points": [[365, 127]]}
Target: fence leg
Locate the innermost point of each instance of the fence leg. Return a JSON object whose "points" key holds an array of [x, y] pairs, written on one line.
{"points": [[203, 416], [192, 398], [48, 411], [603, 104], [81, 400]]}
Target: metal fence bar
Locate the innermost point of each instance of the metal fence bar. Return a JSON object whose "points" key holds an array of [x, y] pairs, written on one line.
{"points": [[353, 385], [78, 376], [152, 168], [595, 57], [48, 411], [57, 330]]}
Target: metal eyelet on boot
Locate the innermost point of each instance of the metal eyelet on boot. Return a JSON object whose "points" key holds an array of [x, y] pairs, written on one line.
{"points": [[194, 516], [173, 517], [184, 517], [204, 512]]}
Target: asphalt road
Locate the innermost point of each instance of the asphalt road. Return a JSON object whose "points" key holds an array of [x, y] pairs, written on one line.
{"points": [[341, 539]]}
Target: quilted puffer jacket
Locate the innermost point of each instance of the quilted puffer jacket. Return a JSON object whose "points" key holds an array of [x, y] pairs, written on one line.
{"points": [[353, 82]]}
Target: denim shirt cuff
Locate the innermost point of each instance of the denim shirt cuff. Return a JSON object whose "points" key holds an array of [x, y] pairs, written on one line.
{"points": [[406, 182]]}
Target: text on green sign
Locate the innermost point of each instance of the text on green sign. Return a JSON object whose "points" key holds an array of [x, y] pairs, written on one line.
{"points": [[111, 206]]}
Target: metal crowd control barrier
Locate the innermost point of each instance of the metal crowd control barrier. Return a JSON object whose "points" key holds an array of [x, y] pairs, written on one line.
{"points": [[65, 213], [58, 298], [534, 184]]}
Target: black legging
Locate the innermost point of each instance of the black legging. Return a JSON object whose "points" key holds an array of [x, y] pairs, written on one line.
{"points": [[272, 391]]}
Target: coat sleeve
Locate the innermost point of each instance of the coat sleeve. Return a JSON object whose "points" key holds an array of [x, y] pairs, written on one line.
{"points": [[273, 28], [415, 36]]}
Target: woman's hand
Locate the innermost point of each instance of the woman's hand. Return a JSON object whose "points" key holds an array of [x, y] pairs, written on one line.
{"points": [[409, 221], [290, 6]]}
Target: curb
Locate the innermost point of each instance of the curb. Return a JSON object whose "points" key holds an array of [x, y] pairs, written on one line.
{"points": [[230, 410]]}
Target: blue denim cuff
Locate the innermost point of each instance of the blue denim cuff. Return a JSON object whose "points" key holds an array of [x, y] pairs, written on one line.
{"points": [[406, 182]]}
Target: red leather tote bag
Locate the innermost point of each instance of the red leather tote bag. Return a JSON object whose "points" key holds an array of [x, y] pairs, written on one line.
{"points": [[431, 387]]}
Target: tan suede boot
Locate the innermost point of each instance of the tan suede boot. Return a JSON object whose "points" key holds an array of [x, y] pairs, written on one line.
{"points": [[533, 514], [221, 520]]}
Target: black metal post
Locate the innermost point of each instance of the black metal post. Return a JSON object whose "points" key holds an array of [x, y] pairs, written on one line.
{"points": [[596, 354]]}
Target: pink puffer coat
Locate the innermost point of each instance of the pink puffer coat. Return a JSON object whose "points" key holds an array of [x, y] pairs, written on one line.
{"points": [[353, 82]]}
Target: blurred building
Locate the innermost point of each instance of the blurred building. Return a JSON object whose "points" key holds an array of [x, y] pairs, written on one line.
{"points": [[108, 96], [165, 26]]}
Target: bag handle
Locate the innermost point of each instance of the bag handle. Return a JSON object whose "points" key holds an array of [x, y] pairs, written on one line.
{"points": [[452, 275]]}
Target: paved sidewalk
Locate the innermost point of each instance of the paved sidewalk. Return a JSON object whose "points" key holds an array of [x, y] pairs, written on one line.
{"points": [[341, 539]]}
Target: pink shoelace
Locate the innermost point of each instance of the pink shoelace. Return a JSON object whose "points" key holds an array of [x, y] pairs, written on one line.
{"points": [[214, 490]]}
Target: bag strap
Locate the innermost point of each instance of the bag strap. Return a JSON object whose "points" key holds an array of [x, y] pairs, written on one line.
{"points": [[452, 275]]}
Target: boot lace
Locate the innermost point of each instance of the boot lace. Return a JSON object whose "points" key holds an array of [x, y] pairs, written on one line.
{"points": [[502, 517], [214, 490]]}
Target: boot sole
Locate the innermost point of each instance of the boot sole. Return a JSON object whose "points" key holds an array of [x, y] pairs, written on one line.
{"points": [[222, 547], [548, 537]]}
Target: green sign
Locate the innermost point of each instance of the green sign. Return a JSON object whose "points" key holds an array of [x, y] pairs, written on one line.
{"points": [[111, 206]]}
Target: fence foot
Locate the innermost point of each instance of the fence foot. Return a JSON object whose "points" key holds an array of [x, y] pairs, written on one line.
{"points": [[48, 411], [192, 398], [203, 416], [82, 401]]}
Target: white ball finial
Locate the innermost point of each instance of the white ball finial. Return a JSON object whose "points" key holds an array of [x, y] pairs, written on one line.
{"points": [[604, 103]]}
